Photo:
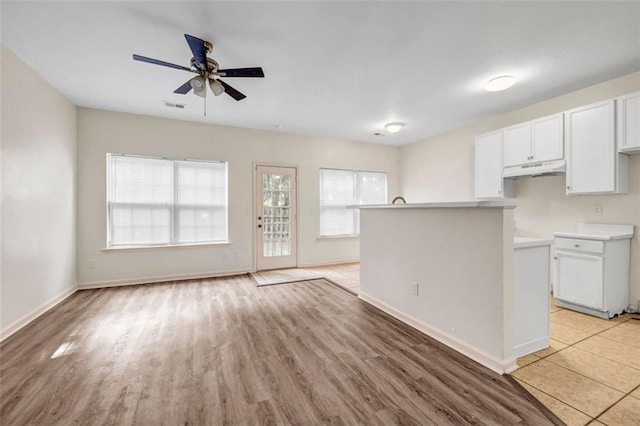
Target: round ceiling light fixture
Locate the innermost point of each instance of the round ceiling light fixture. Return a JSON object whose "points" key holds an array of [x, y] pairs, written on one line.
{"points": [[394, 127], [500, 83]]}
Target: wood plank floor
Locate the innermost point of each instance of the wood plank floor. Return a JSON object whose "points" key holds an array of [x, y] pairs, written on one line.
{"points": [[223, 351]]}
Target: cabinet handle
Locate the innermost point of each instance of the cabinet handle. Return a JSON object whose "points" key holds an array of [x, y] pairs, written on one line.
{"points": [[576, 245], [499, 192], [555, 257], [568, 187]]}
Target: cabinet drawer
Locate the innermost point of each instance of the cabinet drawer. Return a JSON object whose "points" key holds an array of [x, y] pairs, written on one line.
{"points": [[577, 244]]}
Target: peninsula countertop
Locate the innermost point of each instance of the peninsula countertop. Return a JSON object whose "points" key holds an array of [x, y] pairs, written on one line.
{"points": [[502, 204]]}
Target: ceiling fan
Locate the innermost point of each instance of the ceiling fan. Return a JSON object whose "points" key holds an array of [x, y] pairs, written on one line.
{"points": [[207, 69]]}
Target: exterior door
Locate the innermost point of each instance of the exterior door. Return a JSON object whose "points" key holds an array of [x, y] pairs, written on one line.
{"points": [[276, 214]]}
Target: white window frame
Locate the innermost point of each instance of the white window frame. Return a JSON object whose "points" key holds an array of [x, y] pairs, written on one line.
{"points": [[173, 206], [357, 201]]}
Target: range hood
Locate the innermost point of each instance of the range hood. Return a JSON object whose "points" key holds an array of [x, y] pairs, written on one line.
{"points": [[547, 168]]}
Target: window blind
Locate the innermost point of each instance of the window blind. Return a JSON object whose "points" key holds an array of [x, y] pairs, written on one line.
{"points": [[371, 188], [337, 190], [201, 203], [340, 188], [153, 201]]}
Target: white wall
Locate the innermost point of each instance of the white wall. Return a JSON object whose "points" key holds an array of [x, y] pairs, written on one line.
{"points": [[38, 254], [101, 132], [441, 168], [462, 260]]}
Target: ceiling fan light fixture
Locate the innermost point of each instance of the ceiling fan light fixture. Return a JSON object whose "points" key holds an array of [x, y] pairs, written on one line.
{"points": [[394, 127], [216, 87], [500, 83], [198, 85]]}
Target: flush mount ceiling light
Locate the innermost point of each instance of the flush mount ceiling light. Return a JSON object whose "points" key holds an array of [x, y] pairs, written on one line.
{"points": [[500, 83], [394, 127]]}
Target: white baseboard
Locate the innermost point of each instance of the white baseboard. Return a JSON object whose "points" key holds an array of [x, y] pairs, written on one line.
{"points": [[499, 366], [531, 347], [22, 322], [160, 279], [341, 262]]}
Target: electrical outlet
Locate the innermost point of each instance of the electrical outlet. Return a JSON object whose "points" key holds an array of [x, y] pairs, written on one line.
{"points": [[597, 209], [92, 263], [415, 288]]}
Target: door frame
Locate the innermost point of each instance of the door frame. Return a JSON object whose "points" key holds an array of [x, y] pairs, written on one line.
{"points": [[256, 204]]}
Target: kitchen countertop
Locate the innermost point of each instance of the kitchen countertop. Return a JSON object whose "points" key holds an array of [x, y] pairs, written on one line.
{"points": [[503, 204], [599, 231], [523, 242]]}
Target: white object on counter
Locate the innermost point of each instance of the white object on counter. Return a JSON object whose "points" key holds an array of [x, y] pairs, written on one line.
{"points": [[531, 295], [593, 269], [599, 231]]}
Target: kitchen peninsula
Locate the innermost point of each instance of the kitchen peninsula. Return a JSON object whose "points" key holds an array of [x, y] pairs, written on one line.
{"points": [[445, 269]]}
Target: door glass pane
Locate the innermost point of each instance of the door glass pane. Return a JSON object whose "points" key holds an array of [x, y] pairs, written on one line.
{"points": [[276, 205]]}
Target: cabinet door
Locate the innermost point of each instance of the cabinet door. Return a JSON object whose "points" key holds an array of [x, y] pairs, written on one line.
{"points": [[589, 133], [580, 279], [488, 171], [516, 145], [629, 122], [547, 139]]}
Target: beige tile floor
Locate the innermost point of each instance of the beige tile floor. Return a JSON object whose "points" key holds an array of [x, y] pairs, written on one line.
{"points": [[590, 374], [346, 275]]}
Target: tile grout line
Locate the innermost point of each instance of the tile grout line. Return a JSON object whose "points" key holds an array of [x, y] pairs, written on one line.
{"points": [[615, 403], [590, 378], [559, 400], [580, 374]]}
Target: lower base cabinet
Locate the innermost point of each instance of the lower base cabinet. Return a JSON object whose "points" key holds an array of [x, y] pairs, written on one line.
{"points": [[531, 259], [592, 276]]}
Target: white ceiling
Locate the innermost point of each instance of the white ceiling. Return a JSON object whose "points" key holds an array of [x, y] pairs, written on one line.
{"points": [[337, 69]]}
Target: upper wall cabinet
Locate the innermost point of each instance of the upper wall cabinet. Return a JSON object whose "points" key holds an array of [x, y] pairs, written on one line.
{"points": [[628, 120], [533, 142], [593, 163], [488, 167]]}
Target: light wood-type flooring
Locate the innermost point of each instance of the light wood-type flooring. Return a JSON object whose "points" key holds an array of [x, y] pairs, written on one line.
{"points": [[225, 351]]}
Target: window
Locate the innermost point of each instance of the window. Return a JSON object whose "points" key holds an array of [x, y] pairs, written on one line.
{"points": [[340, 188], [157, 201]]}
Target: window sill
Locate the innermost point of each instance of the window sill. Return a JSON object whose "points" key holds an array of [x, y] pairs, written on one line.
{"points": [[338, 237], [169, 246]]}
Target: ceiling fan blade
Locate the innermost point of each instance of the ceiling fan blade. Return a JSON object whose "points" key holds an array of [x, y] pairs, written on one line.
{"points": [[232, 92], [184, 89], [198, 49], [158, 62], [242, 72]]}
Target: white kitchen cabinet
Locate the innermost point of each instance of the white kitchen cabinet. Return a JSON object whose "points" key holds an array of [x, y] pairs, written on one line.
{"points": [[516, 145], [628, 121], [535, 141], [489, 182], [593, 268], [593, 163], [531, 295], [579, 278]]}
